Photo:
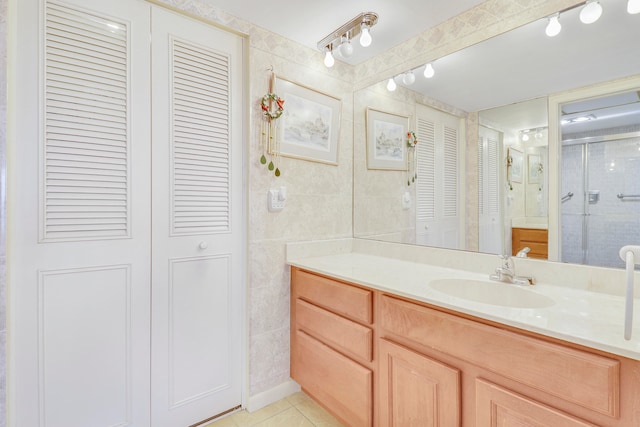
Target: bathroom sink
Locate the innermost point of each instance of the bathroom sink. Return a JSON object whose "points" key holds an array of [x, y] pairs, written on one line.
{"points": [[495, 293]]}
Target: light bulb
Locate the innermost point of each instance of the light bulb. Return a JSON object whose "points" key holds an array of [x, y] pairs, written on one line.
{"points": [[328, 59], [553, 27], [391, 85], [429, 71], [525, 137], [346, 48], [409, 78], [365, 36], [633, 6], [591, 12]]}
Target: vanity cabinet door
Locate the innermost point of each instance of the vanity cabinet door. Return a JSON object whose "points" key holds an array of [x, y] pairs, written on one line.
{"points": [[535, 239], [498, 407], [415, 390]]}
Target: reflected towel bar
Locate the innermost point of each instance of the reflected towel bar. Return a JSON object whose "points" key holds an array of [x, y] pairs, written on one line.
{"points": [[625, 196], [567, 197]]}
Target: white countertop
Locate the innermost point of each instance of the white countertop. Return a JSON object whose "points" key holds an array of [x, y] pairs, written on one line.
{"points": [[579, 316]]}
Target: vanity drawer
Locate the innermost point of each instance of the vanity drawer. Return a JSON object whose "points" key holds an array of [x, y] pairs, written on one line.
{"points": [[347, 300], [588, 380], [340, 333], [497, 406], [336, 381]]}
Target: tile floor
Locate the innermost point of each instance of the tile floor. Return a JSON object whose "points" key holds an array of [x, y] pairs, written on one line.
{"points": [[297, 410]]}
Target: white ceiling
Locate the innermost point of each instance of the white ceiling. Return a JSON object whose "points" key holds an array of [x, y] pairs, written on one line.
{"points": [[308, 22]]}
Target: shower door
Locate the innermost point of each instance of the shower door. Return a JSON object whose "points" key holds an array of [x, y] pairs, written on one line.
{"points": [[600, 198]]}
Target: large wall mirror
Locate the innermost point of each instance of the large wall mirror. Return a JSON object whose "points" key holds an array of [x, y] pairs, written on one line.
{"points": [[497, 167]]}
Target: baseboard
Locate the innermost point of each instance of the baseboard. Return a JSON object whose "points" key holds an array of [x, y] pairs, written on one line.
{"points": [[268, 397]]}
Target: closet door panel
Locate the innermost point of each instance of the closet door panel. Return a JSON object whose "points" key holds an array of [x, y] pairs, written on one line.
{"points": [[197, 231], [78, 198]]}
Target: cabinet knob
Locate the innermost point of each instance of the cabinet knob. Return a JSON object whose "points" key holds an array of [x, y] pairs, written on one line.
{"points": [[203, 245]]}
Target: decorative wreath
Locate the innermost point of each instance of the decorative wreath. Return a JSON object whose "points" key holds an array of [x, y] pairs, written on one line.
{"points": [[412, 139], [279, 103]]}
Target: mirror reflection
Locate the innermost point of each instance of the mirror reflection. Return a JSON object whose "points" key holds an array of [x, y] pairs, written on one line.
{"points": [[484, 148], [600, 178]]}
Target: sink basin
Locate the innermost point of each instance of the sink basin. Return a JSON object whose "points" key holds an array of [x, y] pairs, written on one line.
{"points": [[495, 293]]}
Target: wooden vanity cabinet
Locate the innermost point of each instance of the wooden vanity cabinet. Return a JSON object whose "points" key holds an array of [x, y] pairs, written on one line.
{"points": [[535, 239], [332, 345], [421, 365]]}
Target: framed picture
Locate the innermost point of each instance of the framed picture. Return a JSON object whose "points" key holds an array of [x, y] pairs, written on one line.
{"points": [[516, 165], [309, 128], [534, 167], [386, 140]]}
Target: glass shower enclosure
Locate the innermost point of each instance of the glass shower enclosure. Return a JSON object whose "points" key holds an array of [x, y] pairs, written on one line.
{"points": [[600, 178], [600, 201]]}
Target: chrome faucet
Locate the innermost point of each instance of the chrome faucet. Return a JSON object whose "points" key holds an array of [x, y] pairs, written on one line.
{"points": [[507, 273]]}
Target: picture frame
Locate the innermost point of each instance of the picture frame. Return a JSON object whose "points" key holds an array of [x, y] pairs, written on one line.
{"points": [[533, 165], [386, 140], [516, 165], [309, 128]]}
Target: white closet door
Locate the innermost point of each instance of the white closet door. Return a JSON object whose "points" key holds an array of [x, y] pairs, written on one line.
{"points": [[438, 191], [489, 217], [198, 267], [78, 209]]}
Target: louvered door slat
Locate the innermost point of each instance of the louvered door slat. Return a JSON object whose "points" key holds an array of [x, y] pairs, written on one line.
{"points": [[425, 189], [450, 200], [481, 178], [61, 87], [86, 150], [96, 51], [200, 140], [493, 174]]}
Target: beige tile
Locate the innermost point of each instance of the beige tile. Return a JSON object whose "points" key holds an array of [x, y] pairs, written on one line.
{"points": [[224, 422], [289, 418], [246, 419], [317, 415], [297, 398]]}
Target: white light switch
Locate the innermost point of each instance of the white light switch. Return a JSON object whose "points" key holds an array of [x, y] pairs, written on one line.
{"points": [[276, 199], [406, 200]]}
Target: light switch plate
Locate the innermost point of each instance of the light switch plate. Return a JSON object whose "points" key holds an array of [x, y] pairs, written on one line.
{"points": [[276, 200]]}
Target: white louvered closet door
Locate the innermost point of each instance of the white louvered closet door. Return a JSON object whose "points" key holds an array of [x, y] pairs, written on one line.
{"points": [[197, 220], [489, 170], [78, 214], [439, 217]]}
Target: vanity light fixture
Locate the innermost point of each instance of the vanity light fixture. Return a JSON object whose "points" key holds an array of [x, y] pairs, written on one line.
{"points": [[429, 71], [346, 48], [341, 37], [365, 36], [391, 85], [554, 26], [633, 7], [409, 78], [591, 12], [328, 57]]}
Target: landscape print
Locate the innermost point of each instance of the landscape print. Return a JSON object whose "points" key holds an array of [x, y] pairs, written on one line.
{"points": [[307, 123], [389, 138]]}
